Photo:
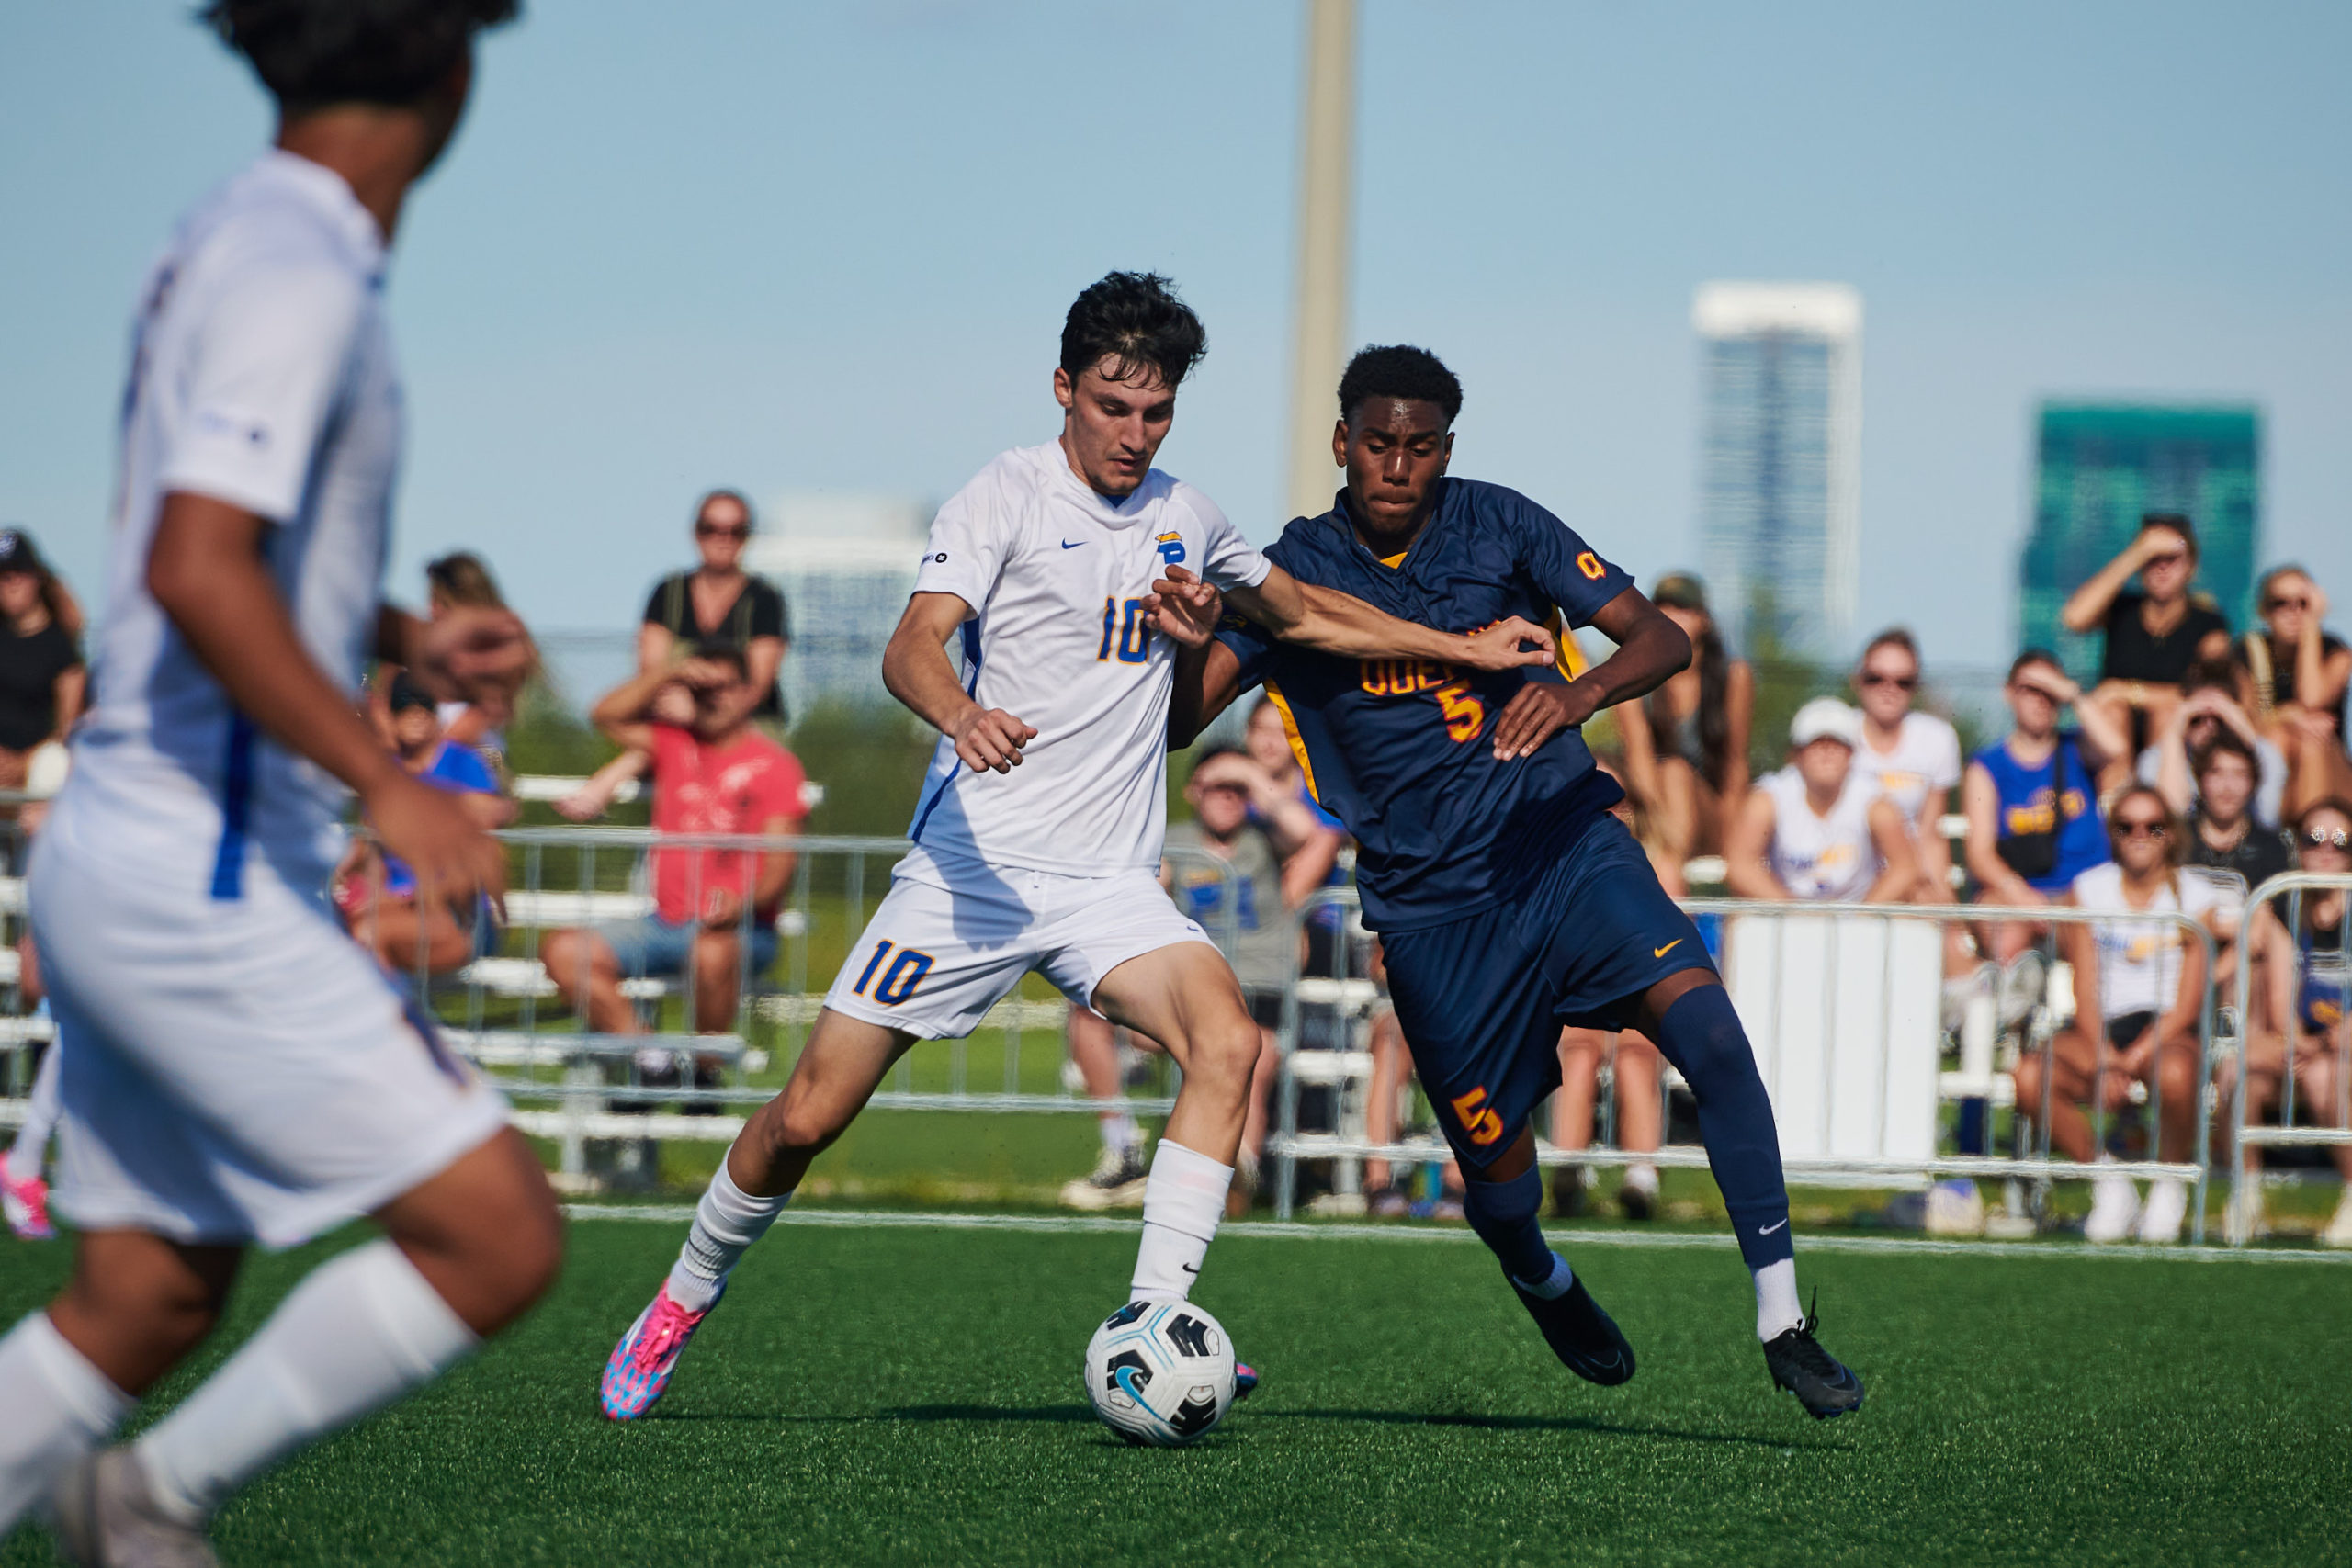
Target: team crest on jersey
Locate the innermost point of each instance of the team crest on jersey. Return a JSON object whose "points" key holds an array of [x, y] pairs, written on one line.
{"points": [[1172, 548]]}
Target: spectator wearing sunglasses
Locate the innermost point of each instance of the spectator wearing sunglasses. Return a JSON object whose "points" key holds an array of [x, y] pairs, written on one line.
{"points": [[1912, 756], [2154, 635], [2293, 675], [2139, 988], [2303, 1001]]}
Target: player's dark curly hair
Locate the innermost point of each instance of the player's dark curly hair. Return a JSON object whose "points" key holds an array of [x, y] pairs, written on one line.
{"points": [[1400, 370], [310, 53], [1136, 319]]}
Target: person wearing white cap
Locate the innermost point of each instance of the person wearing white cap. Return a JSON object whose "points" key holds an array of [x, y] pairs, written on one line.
{"points": [[1818, 831]]}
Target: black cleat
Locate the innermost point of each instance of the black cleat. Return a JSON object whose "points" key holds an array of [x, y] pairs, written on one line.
{"points": [[1822, 1385], [1586, 1339]]}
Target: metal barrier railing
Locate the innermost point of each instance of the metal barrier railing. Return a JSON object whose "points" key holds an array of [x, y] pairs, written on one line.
{"points": [[1868, 1112], [2248, 1138]]}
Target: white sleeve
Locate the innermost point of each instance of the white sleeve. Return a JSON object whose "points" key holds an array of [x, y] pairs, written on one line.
{"points": [[269, 365], [1945, 772], [1228, 561], [969, 539]]}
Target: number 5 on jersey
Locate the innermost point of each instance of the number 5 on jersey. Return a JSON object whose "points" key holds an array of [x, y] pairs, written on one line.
{"points": [[899, 976]]}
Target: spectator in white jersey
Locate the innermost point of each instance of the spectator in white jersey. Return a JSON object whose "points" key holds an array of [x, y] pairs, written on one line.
{"points": [[238, 1073], [1912, 756], [1817, 830], [2139, 988]]}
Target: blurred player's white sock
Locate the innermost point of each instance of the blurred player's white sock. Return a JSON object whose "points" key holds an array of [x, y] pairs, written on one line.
{"points": [[59, 1408], [1642, 1178], [1776, 1300], [1120, 1134], [361, 1331], [1182, 1202], [727, 1222]]}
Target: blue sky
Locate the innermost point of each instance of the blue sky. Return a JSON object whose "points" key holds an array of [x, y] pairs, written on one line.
{"points": [[790, 247]]}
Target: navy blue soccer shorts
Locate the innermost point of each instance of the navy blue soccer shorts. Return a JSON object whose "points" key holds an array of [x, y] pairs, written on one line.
{"points": [[1482, 999]]}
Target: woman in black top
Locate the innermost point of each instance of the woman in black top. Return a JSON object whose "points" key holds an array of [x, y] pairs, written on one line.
{"points": [[719, 601], [2152, 636], [2294, 676], [41, 674]]}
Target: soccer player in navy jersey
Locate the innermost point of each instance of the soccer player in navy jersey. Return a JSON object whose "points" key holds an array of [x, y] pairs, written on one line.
{"points": [[1509, 899]]}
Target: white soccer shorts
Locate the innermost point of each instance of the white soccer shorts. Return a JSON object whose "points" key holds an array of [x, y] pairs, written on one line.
{"points": [[953, 937], [234, 1070]]}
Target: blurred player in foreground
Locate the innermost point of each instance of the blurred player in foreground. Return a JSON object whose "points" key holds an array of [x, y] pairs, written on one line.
{"points": [[1039, 833], [235, 1070], [1508, 899]]}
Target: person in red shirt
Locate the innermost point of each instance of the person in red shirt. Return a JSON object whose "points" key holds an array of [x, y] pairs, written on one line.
{"points": [[717, 775]]}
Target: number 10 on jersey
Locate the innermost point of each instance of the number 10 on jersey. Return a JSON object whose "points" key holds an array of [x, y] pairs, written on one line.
{"points": [[1124, 632]]}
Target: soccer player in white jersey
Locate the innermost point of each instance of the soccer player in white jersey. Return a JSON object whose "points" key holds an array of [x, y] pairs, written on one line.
{"points": [[236, 1070], [1038, 835]]}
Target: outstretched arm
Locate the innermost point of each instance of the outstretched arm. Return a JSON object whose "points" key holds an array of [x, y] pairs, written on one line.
{"points": [[916, 670], [1331, 622], [1650, 649]]}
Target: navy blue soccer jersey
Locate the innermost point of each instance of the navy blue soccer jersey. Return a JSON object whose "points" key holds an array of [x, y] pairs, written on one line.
{"points": [[1399, 750]]}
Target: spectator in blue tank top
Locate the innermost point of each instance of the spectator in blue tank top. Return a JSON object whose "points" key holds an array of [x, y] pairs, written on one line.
{"points": [[2031, 800]]}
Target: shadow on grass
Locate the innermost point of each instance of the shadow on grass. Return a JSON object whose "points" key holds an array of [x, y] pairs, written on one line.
{"points": [[989, 1413], [1541, 1424]]}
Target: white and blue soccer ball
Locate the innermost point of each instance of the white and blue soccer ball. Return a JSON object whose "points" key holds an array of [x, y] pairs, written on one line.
{"points": [[1161, 1372]]}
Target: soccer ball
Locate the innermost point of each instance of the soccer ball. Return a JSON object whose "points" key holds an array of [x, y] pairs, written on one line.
{"points": [[1161, 1372]]}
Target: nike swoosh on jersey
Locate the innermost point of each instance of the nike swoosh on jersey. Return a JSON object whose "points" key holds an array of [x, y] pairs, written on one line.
{"points": [[1669, 947], [1067, 545]]}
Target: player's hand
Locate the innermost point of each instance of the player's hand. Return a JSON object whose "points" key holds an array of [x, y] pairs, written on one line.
{"points": [[990, 740], [453, 859], [1183, 607], [473, 653], [1539, 711], [1502, 646]]}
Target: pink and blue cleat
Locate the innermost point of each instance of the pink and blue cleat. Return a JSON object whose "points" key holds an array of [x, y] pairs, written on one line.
{"points": [[641, 1363], [26, 1203], [1245, 1381]]}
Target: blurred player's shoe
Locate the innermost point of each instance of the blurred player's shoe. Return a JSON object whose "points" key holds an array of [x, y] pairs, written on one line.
{"points": [[1955, 1208], [106, 1516], [26, 1203], [1117, 1182], [1822, 1385], [2339, 1229], [1638, 1195], [2245, 1216], [2022, 983], [1572, 1187], [1245, 1381], [1385, 1202], [2115, 1208], [2168, 1206], [641, 1363], [1585, 1337]]}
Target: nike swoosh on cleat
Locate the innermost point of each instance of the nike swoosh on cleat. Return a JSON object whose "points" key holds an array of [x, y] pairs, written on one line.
{"points": [[1768, 1230], [1669, 947]]}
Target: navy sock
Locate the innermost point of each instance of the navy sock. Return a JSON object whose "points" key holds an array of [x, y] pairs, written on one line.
{"points": [[1702, 1036], [1503, 1214]]}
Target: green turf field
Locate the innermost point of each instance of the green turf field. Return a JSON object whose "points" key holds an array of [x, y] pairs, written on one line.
{"points": [[910, 1395]]}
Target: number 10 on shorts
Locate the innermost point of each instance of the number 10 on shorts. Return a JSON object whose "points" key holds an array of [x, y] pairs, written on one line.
{"points": [[899, 976]]}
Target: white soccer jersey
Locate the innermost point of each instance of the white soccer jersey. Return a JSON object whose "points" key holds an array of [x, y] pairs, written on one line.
{"points": [[261, 376], [2139, 961], [1925, 763], [1056, 575], [1824, 858]]}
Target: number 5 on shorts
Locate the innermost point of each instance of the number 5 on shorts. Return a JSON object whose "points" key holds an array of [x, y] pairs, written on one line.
{"points": [[1477, 1118], [900, 975]]}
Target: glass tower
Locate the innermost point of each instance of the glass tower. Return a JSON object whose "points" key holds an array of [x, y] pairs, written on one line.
{"points": [[2100, 467], [1780, 462]]}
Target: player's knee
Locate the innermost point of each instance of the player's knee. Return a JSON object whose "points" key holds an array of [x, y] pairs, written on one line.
{"points": [[562, 951], [2176, 1077], [797, 1126], [1226, 1054]]}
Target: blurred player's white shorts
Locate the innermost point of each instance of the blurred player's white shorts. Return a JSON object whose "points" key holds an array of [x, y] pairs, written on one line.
{"points": [[953, 937], [234, 1069]]}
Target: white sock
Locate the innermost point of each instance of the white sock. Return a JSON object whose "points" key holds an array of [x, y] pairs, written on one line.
{"points": [[360, 1332], [1554, 1288], [1120, 1134], [1642, 1178], [1776, 1300], [727, 1222], [30, 1151], [60, 1407], [1182, 1202]]}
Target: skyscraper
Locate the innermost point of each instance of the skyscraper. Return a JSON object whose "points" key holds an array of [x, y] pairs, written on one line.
{"points": [[1780, 483], [2100, 467]]}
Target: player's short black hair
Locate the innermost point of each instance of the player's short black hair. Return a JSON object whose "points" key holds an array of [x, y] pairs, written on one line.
{"points": [[1135, 319], [1400, 370], [310, 53]]}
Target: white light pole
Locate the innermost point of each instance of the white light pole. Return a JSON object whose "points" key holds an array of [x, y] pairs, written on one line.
{"points": [[1325, 170]]}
